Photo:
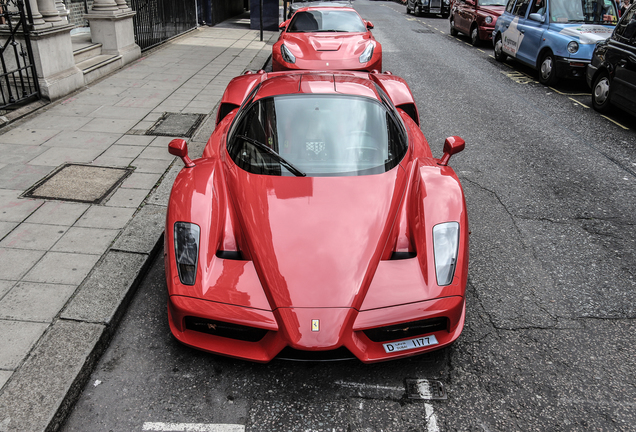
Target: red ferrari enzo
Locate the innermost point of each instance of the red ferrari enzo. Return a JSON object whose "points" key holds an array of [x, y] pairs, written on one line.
{"points": [[317, 224], [326, 38]]}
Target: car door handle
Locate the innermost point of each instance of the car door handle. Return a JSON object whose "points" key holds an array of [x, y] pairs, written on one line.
{"points": [[522, 31]]}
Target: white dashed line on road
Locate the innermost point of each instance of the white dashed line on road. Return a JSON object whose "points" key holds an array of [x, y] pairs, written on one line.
{"points": [[191, 427]]}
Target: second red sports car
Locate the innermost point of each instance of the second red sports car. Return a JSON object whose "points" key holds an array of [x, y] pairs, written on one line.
{"points": [[317, 225], [327, 38]]}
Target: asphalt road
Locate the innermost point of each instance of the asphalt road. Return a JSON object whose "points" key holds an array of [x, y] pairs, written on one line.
{"points": [[549, 338]]}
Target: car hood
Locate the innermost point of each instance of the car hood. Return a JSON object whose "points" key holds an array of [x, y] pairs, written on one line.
{"points": [[586, 33], [493, 10], [316, 241], [344, 44]]}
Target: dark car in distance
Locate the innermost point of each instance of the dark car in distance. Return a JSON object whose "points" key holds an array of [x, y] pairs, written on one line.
{"points": [[432, 7], [612, 72], [475, 18]]}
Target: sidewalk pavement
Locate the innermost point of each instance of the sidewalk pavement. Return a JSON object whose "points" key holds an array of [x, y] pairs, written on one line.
{"points": [[68, 269]]}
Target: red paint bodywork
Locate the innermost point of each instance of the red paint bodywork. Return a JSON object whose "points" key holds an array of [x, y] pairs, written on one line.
{"points": [[326, 51], [315, 247]]}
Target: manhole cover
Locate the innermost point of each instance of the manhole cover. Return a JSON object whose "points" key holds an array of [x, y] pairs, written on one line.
{"points": [[176, 125], [82, 183], [425, 389]]}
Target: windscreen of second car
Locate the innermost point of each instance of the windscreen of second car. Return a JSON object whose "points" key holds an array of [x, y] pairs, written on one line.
{"points": [[318, 135], [326, 21], [492, 2], [584, 11]]}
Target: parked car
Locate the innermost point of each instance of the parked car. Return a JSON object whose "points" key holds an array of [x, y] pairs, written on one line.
{"points": [[326, 38], [475, 18], [317, 224], [555, 37], [612, 72], [432, 7]]}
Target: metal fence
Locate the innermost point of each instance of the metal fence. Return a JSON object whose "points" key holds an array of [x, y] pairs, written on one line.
{"points": [[18, 80], [159, 20]]}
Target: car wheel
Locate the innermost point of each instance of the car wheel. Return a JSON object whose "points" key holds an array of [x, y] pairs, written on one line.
{"points": [[500, 56], [601, 93], [548, 69], [453, 32], [474, 36]]}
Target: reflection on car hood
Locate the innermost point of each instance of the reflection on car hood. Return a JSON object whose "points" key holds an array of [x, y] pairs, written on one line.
{"points": [[327, 230], [494, 10], [348, 44], [587, 33]]}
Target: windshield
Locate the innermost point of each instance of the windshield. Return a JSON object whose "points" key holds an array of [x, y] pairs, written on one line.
{"points": [[317, 135], [326, 21], [587, 11], [493, 2]]}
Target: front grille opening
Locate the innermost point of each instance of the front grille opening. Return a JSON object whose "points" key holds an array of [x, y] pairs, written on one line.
{"points": [[407, 330], [338, 354], [226, 330]]}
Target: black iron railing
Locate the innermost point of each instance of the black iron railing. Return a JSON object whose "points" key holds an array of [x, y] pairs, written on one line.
{"points": [[159, 20], [18, 78]]}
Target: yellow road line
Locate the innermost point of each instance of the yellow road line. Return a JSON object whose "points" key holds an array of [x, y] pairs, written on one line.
{"points": [[480, 50], [614, 121], [583, 105], [568, 94]]}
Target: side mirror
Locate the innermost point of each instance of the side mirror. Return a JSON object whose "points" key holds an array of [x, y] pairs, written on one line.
{"points": [[178, 147], [283, 25], [537, 17], [452, 145], [369, 25]]}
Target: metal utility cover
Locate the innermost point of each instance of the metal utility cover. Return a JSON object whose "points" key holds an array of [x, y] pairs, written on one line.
{"points": [[425, 389], [80, 183], [176, 125]]}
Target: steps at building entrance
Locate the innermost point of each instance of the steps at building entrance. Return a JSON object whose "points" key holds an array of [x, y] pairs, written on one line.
{"points": [[89, 58]]}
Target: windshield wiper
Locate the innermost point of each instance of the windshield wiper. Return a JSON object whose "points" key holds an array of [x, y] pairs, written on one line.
{"points": [[295, 171]]}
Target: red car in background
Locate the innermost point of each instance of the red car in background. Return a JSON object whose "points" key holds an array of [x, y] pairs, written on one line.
{"points": [[317, 225], [475, 18], [326, 38]]}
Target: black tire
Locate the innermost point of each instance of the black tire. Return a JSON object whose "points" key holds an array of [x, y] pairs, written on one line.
{"points": [[601, 93], [453, 32], [500, 56], [548, 69], [474, 36], [408, 9]]}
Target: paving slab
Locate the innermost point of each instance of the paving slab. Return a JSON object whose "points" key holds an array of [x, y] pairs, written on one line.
{"points": [[61, 268], [35, 301], [5, 286], [141, 235], [33, 236], [93, 241], [13, 209], [106, 217], [58, 213], [17, 338], [15, 263]]}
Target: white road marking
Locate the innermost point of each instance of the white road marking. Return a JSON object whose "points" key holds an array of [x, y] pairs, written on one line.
{"points": [[368, 386], [431, 419], [192, 427]]}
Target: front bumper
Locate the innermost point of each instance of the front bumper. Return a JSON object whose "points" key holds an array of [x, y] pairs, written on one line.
{"points": [[338, 328], [571, 68]]}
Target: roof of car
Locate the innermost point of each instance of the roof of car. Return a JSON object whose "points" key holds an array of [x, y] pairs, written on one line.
{"points": [[310, 82]]}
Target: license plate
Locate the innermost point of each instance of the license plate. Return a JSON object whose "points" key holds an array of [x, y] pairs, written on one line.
{"points": [[410, 344]]}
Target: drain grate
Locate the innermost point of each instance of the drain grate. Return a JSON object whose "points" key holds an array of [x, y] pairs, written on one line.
{"points": [[425, 389], [79, 183], [176, 125]]}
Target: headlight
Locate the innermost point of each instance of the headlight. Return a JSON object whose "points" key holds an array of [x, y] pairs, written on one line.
{"points": [[186, 248], [287, 55], [445, 244], [367, 54], [573, 47], [488, 19]]}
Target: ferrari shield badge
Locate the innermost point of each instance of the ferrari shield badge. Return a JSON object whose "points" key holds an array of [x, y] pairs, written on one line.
{"points": [[315, 325]]}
